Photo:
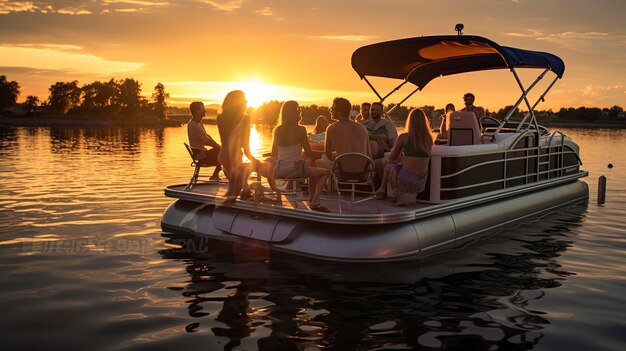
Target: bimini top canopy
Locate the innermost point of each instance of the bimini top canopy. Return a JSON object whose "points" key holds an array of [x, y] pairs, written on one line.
{"points": [[420, 60]]}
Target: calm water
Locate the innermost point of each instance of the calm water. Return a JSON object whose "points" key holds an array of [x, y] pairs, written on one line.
{"points": [[85, 265]]}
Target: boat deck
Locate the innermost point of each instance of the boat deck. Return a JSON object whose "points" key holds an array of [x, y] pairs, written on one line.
{"points": [[297, 205], [372, 211]]}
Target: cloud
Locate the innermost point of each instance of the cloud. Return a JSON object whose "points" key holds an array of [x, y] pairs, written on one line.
{"points": [[565, 38], [137, 2], [70, 7], [73, 11], [16, 6], [266, 11], [574, 36], [592, 91], [50, 57], [50, 46], [561, 37], [530, 33], [134, 10], [224, 5], [345, 37]]}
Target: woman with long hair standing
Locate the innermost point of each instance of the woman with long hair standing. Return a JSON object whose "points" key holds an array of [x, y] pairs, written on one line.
{"points": [[408, 179], [290, 138], [234, 128]]}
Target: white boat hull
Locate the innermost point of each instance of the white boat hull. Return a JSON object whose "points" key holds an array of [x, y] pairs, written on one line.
{"points": [[408, 240]]}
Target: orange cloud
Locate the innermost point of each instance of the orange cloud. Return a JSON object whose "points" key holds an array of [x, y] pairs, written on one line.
{"points": [[53, 58]]}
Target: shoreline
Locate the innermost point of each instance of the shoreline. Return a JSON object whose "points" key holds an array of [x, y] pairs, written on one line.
{"points": [[578, 124], [178, 121], [65, 122]]}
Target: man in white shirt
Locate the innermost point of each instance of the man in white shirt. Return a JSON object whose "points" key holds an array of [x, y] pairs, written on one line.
{"points": [[198, 139]]}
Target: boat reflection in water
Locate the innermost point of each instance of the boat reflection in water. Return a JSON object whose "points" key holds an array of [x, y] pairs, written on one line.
{"points": [[480, 299]]}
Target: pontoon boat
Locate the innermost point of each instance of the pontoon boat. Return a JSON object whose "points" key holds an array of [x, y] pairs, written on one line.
{"points": [[488, 177]]}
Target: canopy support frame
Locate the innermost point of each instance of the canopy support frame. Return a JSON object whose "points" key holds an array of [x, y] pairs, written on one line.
{"points": [[540, 99], [382, 99], [523, 97], [403, 100], [525, 92], [372, 87], [394, 90]]}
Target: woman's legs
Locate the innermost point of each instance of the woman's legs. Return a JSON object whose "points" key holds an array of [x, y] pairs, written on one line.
{"points": [[381, 193], [320, 175], [266, 169]]}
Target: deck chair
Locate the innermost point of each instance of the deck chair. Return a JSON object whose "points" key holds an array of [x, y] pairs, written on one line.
{"points": [[210, 161], [351, 173], [289, 185], [463, 128]]}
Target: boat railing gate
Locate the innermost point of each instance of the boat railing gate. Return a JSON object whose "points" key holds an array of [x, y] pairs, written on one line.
{"points": [[541, 155]]}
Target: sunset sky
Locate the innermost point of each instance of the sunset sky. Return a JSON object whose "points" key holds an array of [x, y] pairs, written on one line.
{"points": [[289, 49]]}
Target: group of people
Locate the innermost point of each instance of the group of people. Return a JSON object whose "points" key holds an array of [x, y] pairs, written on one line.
{"points": [[468, 99], [405, 168]]}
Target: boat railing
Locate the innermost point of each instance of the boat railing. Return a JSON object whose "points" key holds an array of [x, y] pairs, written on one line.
{"points": [[559, 147], [542, 156]]}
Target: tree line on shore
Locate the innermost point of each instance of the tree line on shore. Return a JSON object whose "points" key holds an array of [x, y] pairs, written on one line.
{"points": [[268, 113], [113, 99], [122, 100]]}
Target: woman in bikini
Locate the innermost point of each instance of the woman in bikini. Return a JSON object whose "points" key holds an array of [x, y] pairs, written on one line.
{"points": [[408, 179], [290, 138], [319, 133]]}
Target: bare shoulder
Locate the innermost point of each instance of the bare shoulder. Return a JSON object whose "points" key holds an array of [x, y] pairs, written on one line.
{"points": [[302, 132], [331, 128]]}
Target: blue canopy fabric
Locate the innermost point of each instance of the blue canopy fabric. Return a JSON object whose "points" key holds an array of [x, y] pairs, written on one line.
{"points": [[420, 60]]}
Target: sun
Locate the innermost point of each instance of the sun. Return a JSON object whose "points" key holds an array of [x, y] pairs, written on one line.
{"points": [[258, 93]]}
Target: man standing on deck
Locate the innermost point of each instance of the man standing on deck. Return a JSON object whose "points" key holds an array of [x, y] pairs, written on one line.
{"points": [[382, 132], [479, 112], [198, 138]]}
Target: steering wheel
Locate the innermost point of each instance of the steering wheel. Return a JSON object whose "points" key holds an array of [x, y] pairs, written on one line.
{"points": [[487, 118]]}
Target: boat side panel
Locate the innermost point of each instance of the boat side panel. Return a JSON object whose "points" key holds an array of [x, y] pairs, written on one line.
{"points": [[436, 231], [355, 242], [385, 242], [190, 217], [470, 172]]}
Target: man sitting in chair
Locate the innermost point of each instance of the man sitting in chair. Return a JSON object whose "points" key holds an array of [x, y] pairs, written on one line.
{"points": [[382, 132], [343, 136], [198, 138]]}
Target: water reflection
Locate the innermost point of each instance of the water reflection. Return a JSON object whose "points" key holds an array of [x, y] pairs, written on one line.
{"points": [[478, 298], [71, 140], [64, 140], [8, 137]]}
